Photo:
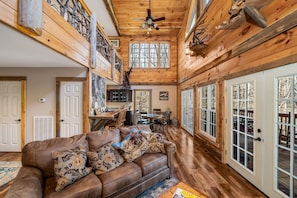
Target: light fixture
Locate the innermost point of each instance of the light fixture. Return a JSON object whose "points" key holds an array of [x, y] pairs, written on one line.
{"points": [[188, 51]]}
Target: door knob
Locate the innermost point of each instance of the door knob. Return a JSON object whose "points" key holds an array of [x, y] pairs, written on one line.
{"points": [[258, 139], [62, 120], [18, 120]]}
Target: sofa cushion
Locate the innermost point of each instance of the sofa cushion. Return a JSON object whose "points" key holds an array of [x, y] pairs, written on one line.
{"points": [[133, 145], [100, 138], [104, 159], [89, 186], [69, 167], [39, 153], [126, 174], [151, 162]]}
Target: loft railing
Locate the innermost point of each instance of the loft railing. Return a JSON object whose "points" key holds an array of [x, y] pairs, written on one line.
{"points": [[74, 12]]}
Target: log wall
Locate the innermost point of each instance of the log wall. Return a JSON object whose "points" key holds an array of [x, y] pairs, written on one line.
{"points": [[150, 76], [237, 52]]}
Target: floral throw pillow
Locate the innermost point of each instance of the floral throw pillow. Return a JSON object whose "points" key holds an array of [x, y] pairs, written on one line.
{"points": [[69, 166], [134, 145], [155, 141], [105, 159]]}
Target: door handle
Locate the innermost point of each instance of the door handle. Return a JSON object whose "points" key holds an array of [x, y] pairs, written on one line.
{"points": [[258, 139], [62, 120], [18, 120]]}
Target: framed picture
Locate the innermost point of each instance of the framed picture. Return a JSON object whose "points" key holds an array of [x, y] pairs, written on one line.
{"points": [[115, 43], [163, 95]]}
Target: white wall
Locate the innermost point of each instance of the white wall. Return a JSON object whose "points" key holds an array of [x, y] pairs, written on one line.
{"points": [[41, 82]]}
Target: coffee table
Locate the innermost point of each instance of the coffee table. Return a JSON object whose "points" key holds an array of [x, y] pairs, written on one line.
{"points": [[169, 193]]}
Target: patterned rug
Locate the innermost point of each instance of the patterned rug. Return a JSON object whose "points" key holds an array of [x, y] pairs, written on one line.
{"points": [[159, 188], [8, 171]]}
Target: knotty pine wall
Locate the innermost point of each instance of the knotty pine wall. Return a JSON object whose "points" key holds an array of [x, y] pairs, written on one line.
{"points": [[233, 53], [150, 76]]}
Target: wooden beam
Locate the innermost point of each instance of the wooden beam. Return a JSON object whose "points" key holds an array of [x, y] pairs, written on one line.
{"points": [[279, 27]]}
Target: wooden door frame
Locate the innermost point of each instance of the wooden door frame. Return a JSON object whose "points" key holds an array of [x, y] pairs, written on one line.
{"points": [[85, 102], [23, 81]]}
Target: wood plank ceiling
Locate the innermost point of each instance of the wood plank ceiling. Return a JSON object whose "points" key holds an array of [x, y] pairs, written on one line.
{"points": [[129, 15]]}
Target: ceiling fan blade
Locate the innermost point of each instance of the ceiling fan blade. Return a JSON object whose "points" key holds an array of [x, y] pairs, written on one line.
{"points": [[157, 28], [139, 19], [159, 19], [149, 13]]}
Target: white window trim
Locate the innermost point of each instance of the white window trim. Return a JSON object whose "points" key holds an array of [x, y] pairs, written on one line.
{"points": [[208, 110], [159, 57]]}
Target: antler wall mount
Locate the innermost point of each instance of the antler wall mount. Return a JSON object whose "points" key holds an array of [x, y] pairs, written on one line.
{"points": [[244, 10]]}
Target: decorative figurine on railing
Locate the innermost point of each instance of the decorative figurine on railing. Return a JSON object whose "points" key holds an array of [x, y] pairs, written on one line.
{"points": [[243, 10], [126, 80], [197, 45]]}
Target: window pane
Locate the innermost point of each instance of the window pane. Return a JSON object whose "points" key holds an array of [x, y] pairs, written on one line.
{"points": [[208, 110], [164, 55], [154, 51], [144, 49], [134, 55]]}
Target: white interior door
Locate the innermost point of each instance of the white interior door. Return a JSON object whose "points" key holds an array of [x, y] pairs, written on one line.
{"points": [[10, 116], [187, 110], [71, 108], [244, 127]]}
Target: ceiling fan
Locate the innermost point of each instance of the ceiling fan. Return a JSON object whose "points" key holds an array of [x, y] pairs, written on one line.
{"points": [[150, 20]]}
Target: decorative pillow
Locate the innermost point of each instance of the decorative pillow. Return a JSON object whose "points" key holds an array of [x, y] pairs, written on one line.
{"points": [[155, 141], [69, 166], [134, 145], [105, 159]]}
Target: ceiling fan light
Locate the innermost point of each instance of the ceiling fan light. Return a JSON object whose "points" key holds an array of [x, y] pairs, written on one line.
{"points": [[143, 26], [149, 29], [155, 25]]}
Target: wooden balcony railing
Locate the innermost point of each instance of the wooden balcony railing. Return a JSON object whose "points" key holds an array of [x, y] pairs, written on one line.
{"points": [[65, 39]]}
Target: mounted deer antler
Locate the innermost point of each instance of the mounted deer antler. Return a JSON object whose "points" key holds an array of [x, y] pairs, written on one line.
{"points": [[242, 10]]}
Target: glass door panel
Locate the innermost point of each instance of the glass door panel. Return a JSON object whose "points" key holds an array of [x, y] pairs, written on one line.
{"points": [[286, 166]]}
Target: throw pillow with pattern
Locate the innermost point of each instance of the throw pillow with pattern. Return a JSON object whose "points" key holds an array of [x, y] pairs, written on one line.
{"points": [[69, 166], [155, 141], [134, 145], [105, 159]]}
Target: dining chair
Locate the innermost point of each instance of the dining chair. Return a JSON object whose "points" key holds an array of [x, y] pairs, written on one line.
{"points": [[284, 128], [119, 121]]}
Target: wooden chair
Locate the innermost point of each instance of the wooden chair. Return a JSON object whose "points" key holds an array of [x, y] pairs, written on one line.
{"points": [[284, 120], [119, 121]]}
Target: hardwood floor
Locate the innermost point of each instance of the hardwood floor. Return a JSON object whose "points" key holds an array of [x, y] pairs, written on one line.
{"points": [[195, 167]]}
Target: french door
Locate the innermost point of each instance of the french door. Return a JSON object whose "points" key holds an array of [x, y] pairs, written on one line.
{"points": [[187, 110], [71, 108], [244, 126], [256, 147]]}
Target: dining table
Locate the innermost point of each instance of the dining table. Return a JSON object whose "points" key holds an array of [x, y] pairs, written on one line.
{"points": [[99, 120]]}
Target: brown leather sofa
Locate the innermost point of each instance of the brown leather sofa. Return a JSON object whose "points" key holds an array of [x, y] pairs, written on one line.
{"points": [[36, 176]]}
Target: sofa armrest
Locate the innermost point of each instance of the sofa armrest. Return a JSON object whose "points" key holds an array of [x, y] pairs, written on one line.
{"points": [[170, 150], [28, 183]]}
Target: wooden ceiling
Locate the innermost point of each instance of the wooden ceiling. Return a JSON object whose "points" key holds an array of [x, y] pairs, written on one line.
{"points": [[129, 15]]}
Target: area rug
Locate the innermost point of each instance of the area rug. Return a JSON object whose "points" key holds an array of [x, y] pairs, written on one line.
{"points": [[8, 171], [156, 190]]}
